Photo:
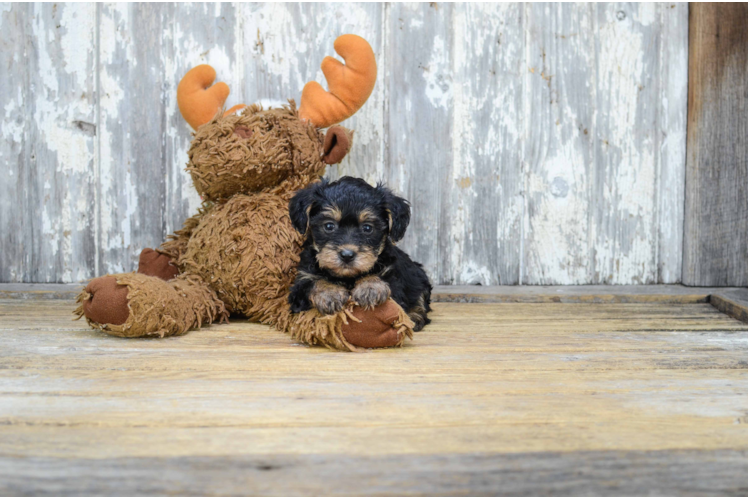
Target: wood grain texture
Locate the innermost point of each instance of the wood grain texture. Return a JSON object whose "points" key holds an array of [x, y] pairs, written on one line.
{"points": [[480, 238], [598, 294], [605, 398], [538, 144], [24, 291], [626, 135], [62, 141], [132, 130], [733, 302], [601, 190], [420, 87], [49, 128], [15, 202], [559, 157], [670, 146], [716, 223], [606, 473]]}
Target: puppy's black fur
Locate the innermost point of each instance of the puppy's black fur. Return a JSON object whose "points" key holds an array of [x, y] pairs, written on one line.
{"points": [[349, 251]]}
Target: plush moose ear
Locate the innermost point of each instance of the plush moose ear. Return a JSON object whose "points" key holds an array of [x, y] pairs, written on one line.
{"points": [[300, 206], [398, 211], [338, 141]]}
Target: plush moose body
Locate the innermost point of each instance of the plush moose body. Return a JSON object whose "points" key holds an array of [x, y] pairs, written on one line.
{"points": [[238, 254]]}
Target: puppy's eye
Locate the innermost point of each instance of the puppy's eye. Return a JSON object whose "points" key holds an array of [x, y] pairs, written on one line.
{"points": [[367, 228], [329, 227]]}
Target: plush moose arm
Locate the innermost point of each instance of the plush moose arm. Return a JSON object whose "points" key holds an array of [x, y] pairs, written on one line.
{"points": [[176, 244], [162, 263]]}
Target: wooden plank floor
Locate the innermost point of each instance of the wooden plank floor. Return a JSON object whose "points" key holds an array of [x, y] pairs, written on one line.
{"points": [[581, 399]]}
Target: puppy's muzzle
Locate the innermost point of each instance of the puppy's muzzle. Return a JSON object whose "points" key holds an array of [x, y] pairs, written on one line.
{"points": [[346, 261], [347, 255]]}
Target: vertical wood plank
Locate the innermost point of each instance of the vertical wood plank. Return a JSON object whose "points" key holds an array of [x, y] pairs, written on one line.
{"points": [[284, 46], [560, 95], [482, 236], [193, 34], [716, 215], [420, 102], [15, 206], [624, 192], [61, 141], [672, 112], [132, 121], [617, 221]]}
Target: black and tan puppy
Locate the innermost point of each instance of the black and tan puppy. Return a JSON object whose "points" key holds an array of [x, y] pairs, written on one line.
{"points": [[349, 252]]}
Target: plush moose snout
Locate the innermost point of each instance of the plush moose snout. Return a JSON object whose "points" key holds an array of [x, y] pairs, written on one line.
{"points": [[336, 145]]}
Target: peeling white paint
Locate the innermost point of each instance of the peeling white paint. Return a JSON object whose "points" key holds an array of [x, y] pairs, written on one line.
{"points": [[77, 46], [463, 166], [573, 92], [64, 152], [629, 257], [438, 75], [114, 24], [13, 126], [671, 132]]}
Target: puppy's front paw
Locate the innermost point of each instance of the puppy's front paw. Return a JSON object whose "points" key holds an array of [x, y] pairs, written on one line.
{"points": [[370, 292], [329, 298]]}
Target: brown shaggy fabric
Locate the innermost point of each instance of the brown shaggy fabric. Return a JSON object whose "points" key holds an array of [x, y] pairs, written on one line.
{"points": [[176, 243], [281, 147], [245, 250]]}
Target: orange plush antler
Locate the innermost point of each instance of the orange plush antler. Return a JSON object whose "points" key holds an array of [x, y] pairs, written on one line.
{"points": [[350, 83], [198, 101]]}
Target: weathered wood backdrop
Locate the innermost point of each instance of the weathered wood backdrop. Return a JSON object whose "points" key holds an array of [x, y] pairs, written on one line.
{"points": [[539, 144], [716, 215]]}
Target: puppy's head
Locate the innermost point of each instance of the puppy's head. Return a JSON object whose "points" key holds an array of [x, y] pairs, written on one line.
{"points": [[349, 222]]}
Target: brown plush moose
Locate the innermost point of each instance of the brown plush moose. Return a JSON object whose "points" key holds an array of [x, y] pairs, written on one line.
{"points": [[238, 254]]}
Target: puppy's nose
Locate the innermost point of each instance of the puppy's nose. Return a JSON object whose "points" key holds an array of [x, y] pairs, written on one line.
{"points": [[347, 255]]}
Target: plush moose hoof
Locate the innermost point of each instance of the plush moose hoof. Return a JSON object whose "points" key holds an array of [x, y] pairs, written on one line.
{"points": [[106, 302], [153, 263], [378, 326]]}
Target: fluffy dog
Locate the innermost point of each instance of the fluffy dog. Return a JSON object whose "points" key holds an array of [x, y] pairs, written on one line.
{"points": [[349, 252]]}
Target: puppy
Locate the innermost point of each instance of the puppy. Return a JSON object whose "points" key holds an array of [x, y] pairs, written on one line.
{"points": [[349, 252]]}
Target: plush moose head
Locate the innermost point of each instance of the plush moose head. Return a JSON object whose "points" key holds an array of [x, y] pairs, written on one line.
{"points": [[249, 149]]}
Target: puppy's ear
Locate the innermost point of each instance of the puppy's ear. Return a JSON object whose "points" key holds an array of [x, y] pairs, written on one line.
{"points": [[398, 211], [300, 206]]}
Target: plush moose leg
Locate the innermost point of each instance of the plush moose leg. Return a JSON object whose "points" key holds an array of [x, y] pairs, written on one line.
{"points": [[384, 326], [353, 328], [154, 263], [137, 305]]}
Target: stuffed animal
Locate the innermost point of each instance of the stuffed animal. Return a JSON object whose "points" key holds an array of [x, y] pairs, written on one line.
{"points": [[238, 254]]}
